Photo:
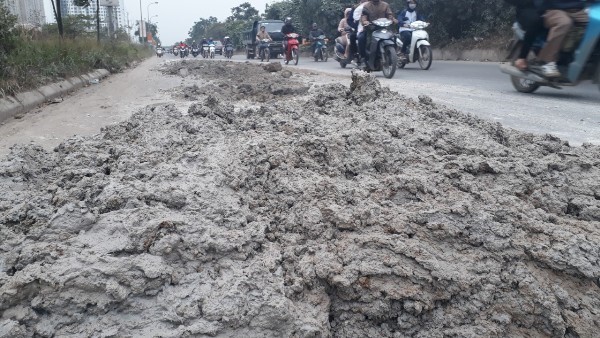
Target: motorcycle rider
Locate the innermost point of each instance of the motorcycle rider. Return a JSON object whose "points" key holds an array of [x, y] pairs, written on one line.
{"points": [[261, 35], [343, 29], [529, 17], [313, 35], [194, 44], [183, 47], [373, 10], [360, 32], [288, 28], [559, 18], [405, 18]]}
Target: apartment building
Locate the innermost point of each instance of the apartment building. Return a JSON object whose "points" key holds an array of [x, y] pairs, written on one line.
{"points": [[28, 12], [119, 19]]}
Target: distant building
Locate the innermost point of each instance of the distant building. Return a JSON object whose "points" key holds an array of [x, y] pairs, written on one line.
{"points": [[28, 12], [68, 8]]}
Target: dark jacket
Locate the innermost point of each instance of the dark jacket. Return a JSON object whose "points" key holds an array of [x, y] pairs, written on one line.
{"points": [[564, 4], [287, 29], [526, 3]]}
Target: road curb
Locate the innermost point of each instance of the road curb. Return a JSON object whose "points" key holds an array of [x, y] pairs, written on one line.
{"points": [[22, 103]]}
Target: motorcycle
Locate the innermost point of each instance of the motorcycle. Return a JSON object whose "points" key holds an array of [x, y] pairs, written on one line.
{"points": [[420, 48], [321, 49], [176, 51], [292, 51], [264, 51], [211, 50], [195, 51], [183, 52], [340, 50], [159, 52], [579, 59], [381, 54], [229, 51], [205, 51]]}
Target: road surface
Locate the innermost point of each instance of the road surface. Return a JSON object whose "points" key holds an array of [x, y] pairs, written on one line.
{"points": [[477, 88]]}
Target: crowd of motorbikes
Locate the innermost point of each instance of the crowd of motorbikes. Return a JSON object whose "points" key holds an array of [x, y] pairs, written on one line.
{"points": [[207, 51], [384, 53]]}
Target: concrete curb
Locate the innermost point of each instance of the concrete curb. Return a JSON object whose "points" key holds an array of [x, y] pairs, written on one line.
{"points": [[21, 103]]}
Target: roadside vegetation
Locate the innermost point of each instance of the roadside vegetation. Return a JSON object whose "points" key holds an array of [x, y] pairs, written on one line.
{"points": [[466, 23], [33, 57]]}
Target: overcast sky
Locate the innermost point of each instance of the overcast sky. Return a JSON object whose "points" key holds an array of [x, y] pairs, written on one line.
{"points": [[176, 17]]}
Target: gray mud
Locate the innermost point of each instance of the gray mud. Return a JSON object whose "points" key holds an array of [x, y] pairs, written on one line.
{"points": [[273, 208]]}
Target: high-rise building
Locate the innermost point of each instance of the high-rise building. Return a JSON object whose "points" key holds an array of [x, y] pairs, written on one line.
{"points": [[69, 8], [28, 12]]}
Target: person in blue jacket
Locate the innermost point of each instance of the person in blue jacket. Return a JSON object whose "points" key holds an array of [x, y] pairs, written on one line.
{"points": [[405, 18]]}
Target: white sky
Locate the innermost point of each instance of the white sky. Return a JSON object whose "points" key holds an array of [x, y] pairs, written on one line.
{"points": [[176, 17]]}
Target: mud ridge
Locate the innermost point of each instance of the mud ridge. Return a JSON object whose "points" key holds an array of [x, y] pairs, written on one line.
{"points": [[277, 207]]}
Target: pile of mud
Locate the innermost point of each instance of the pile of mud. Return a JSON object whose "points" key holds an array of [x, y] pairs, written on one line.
{"points": [[343, 212]]}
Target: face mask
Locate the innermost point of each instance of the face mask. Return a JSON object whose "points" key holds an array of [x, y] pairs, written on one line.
{"points": [[412, 6]]}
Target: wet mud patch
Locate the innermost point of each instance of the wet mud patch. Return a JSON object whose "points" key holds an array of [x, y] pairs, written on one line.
{"points": [[344, 211]]}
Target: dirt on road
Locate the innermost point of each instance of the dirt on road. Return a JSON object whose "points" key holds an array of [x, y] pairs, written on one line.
{"points": [[275, 207]]}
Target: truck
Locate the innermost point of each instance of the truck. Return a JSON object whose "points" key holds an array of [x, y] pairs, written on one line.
{"points": [[273, 27]]}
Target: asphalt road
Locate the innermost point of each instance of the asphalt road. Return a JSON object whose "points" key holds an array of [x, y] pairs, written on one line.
{"points": [[572, 113]]}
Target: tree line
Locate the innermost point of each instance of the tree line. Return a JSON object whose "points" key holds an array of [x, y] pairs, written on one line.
{"points": [[451, 20]]}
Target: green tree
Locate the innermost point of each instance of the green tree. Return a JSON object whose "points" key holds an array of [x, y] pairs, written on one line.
{"points": [[8, 35], [243, 12]]}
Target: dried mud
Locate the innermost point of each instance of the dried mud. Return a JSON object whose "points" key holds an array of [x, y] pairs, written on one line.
{"points": [[277, 208]]}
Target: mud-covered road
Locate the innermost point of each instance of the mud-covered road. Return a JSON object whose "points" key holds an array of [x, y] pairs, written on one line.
{"points": [[248, 203]]}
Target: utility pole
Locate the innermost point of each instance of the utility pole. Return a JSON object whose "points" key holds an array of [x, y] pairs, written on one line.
{"points": [[59, 22], [98, 21], [141, 22]]}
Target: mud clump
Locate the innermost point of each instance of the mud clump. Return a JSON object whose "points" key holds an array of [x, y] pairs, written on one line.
{"points": [[336, 212]]}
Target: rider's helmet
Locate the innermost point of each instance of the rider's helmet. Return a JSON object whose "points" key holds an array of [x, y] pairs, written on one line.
{"points": [[287, 20], [315, 26]]}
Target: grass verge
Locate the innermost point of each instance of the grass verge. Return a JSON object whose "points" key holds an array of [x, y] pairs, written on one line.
{"points": [[39, 62]]}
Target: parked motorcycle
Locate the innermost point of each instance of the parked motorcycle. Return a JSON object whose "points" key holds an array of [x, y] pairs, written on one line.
{"points": [[159, 52], [381, 53], [229, 50], [321, 49], [264, 51], [176, 51], [195, 51], [579, 58], [420, 48], [292, 52]]}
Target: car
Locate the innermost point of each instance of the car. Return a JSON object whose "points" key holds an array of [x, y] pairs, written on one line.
{"points": [[218, 47]]}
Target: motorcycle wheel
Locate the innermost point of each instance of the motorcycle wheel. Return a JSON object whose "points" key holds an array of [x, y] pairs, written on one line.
{"points": [[425, 57], [324, 54], [317, 56], [268, 54], [523, 85], [389, 62], [295, 56]]}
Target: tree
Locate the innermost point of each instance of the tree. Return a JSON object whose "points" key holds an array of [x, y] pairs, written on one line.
{"points": [[87, 3], [202, 27], [243, 12], [8, 36]]}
